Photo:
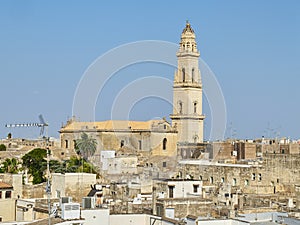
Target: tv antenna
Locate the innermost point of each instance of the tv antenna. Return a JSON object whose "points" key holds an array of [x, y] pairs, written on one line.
{"points": [[42, 124]]}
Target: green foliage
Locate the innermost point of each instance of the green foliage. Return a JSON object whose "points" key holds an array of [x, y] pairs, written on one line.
{"points": [[36, 164], [10, 166], [73, 165], [77, 165], [86, 146], [2, 147]]}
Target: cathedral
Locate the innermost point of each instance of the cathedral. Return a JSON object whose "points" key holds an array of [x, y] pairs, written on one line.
{"points": [[183, 138]]}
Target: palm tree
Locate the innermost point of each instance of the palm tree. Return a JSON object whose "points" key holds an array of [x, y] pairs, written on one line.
{"points": [[87, 146], [11, 165]]}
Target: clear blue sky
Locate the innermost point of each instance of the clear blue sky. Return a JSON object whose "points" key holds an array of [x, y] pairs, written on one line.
{"points": [[253, 47]]}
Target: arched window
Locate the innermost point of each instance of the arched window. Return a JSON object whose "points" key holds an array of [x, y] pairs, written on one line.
{"points": [[195, 139], [122, 143], [66, 144], [183, 75], [180, 107], [195, 107], [164, 143], [234, 182], [193, 75]]}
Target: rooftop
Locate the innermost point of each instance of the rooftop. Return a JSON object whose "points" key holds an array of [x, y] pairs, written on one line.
{"points": [[210, 163], [111, 125], [5, 186]]}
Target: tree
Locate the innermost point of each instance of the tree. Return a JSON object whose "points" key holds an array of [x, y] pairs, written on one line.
{"points": [[10, 166], [56, 166], [2, 147], [36, 164], [87, 146]]}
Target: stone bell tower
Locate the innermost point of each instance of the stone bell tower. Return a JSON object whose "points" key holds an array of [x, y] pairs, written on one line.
{"points": [[187, 115]]}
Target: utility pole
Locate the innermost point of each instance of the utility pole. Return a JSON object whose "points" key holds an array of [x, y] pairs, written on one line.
{"points": [[48, 185]]}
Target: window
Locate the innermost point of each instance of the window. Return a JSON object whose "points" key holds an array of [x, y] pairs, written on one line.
{"points": [[188, 45], [66, 144], [195, 139], [193, 75], [195, 188], [159, 210], [183, 75], [164, 143], [180, 107], [122, 143], [253, 176], [171, 191], [164, 164], [222, 180], [234, 182], [211, 180], [200, 177], [140, 145], [0, 194], [8, 194], [246, 182], [259, 176], [195, 107]]}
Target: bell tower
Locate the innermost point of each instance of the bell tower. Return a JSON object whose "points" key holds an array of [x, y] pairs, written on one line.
{"points": [[187, 115]]}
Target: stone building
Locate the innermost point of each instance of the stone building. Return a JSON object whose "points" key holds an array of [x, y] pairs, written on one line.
{"points": [[7, 204], [154, 136], [10, 190], [267, 184], [187, 114], [63, 185], [157, 137]]}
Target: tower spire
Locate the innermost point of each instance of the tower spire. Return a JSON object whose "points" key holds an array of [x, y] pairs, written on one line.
{"points": [[187, 91], [188, 39]]}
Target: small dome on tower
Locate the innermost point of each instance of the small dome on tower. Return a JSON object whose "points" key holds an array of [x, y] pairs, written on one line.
{"points": [[187, 28]]}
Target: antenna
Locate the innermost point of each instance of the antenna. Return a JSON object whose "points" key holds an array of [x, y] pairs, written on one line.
{"points": [[42, 124]]}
